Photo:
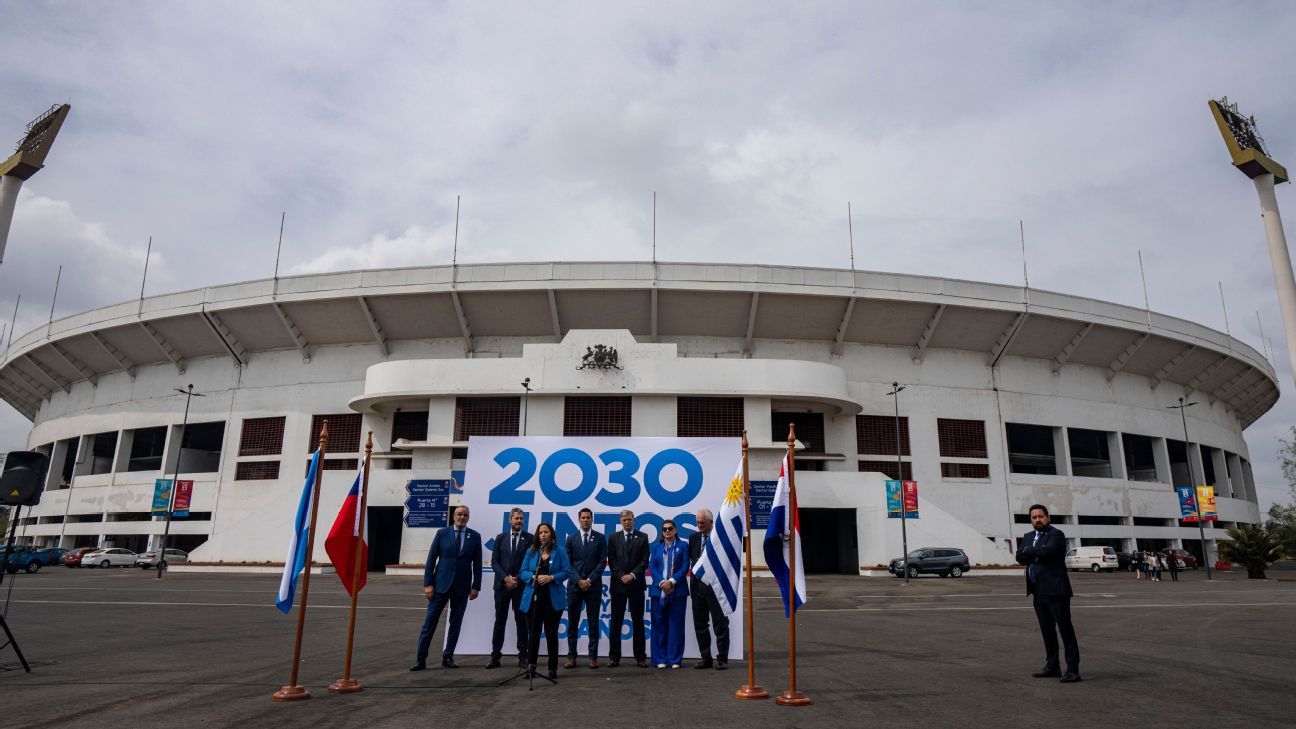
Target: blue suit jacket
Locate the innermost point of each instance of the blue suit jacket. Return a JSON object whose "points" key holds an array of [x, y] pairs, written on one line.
{"points": [[449, 570], [679, 567], [559, 569], [586, 563]]}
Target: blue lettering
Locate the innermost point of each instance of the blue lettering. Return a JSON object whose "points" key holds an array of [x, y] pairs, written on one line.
{"points": [[583, 490], [692, 477], [623, 477], [509, 491]]}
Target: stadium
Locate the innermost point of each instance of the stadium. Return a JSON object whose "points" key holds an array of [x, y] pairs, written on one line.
{"points": [[1011, 396]]}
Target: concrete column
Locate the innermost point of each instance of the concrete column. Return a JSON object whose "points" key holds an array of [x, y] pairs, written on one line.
{"points": [[1280, 259], [1222, 484], [1116, 452], [1161, 456], [1195, 462], [1233, 471], [9, 187], [1062, 452], [756, 416], [654, 416]]}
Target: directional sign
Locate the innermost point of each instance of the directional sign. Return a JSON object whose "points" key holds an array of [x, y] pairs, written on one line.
{"points": [[762, 500], [427, 504]]}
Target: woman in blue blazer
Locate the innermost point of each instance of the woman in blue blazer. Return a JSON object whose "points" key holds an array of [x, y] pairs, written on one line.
{"points": [[544, 572], [669, 564]]}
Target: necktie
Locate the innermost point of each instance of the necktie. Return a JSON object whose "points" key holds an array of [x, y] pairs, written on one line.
{"points": [[459, 541], [513, 548], [1030, 569], [587, 540]]}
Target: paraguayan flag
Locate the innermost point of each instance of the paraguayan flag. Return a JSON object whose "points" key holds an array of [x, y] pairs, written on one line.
{"points": [[720, 565], [784, 528]]}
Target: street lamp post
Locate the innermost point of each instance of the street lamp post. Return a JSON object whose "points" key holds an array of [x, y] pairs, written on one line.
{"points": [[904, 506], [175, 479], [1192, 481], [526, 390]]}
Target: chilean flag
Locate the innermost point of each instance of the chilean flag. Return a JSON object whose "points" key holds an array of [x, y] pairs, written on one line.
{"points": [[342, 538], [784, 527]]}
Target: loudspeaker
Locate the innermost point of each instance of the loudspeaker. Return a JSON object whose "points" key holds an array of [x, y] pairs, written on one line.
{"points": [[23, 478]]}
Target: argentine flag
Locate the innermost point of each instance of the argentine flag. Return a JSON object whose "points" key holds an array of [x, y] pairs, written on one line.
{"points": [[784, 525], [720, 565], [296, 558]]}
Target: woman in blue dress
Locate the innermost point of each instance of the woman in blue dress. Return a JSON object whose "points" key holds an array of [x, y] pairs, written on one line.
{"points": [[668, 594], [544, 572]]}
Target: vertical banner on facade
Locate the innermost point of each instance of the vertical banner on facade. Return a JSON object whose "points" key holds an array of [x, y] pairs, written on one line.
{"points": [[552, 478], [910, 490], [1188, 507], [161, 495], [183, 498]]}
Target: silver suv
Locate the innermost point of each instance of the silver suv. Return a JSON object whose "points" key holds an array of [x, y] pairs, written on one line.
{"points": [[943, 561]]}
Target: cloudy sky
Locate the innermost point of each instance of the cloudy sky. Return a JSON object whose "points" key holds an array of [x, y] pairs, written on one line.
{"points": [[755, 124]]}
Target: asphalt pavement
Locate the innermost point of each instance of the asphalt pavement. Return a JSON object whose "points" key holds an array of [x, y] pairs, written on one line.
{"points": [[119, 648]]}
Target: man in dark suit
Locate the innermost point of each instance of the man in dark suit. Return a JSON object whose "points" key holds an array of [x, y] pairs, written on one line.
{"points": [[706, 607], [587, 553], [628, 560], [452, 575], [1043, 551], [506, 561]]}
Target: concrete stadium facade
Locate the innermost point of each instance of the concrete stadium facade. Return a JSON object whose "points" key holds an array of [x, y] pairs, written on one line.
{"points": [[1012, 397]]}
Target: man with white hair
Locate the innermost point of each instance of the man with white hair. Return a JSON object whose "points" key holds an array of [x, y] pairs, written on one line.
{"points": [[707, 612]]}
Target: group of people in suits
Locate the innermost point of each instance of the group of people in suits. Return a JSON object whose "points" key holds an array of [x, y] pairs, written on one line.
{"points": [[537, 581]]}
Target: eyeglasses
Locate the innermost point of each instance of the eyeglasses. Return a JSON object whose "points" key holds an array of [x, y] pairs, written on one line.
{"points": [[668, 529]]}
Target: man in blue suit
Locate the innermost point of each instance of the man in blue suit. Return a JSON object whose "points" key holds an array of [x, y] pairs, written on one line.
{"points": [[1043, 552], [506, 562], [587, 553], [453, 575]]}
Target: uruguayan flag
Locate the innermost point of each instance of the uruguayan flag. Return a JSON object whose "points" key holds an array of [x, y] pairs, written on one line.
{"points": [[296, 558], [784, 526], [720, 565]]}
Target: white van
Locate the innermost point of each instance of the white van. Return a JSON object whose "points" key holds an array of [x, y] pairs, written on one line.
{"points": [[1094, 559]]}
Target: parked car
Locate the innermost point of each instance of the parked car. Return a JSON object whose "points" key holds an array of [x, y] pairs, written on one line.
{"points": [[73, 558], [148, 560], [31, 560], [1095, 559], [1186, 559], [943, 561], [109, 557]]}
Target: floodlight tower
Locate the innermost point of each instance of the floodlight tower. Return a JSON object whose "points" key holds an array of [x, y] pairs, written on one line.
{"points": [[1246, 147], [26, 161]]}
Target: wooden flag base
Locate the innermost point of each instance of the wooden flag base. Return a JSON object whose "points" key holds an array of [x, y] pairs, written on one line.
{"points": [[292, 693], [345, 686], [792, 698], [750, 693]]}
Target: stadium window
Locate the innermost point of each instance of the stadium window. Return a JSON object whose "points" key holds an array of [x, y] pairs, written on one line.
{"points": [[344, 433], [262, 437], [709, 417], [486, 416], [875, 435], [1140, 463], [256, 471], [70, 447], [1208, 465], [200, 448], [809, 429], [1090, 456], [412, 426], [103, 446], [1030, 449], [592, 416], [888, 468], [965, 470], [961, 438], [1179, 475], [146, 449]]}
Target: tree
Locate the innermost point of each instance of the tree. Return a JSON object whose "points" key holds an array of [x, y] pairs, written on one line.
{"points": [[1282, 517], [1252, 546]]}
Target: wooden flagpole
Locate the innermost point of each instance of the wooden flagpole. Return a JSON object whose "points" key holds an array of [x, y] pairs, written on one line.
{"points": [[792, 697], [346, 684], [294, 692], [749, 690]]}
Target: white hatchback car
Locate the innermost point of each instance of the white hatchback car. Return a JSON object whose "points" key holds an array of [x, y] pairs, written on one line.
{"points": [[110, 557], [1095, 559]]}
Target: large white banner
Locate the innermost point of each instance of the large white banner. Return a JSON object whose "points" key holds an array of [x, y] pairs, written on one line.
{"points": [[552, 479]]}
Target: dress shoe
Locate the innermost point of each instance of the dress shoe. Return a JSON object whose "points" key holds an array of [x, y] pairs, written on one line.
{"points": [[722, 664], [704, 663], [449, 663], [553, 675], [1070, 677], [1047, 673], [642, 662], [676, 665], [494, 663], [593, 663], [614, 662], [661, 665], [420, 666], [571, 663]]}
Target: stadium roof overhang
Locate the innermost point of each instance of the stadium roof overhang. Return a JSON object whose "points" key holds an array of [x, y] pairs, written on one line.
{"points": [[655, 302]]}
